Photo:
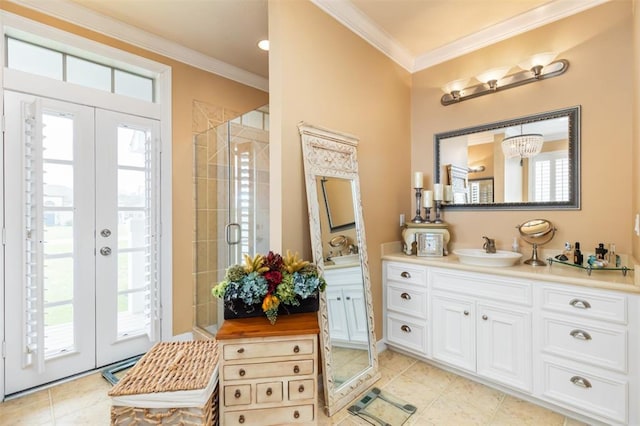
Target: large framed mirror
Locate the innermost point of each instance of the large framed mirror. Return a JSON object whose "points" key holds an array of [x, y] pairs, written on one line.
{"points": [[348, 346], [532, 162]]}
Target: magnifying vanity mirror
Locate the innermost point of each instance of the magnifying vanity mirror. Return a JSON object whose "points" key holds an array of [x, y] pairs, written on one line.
{"points": [[527, 163], [349, 357]]}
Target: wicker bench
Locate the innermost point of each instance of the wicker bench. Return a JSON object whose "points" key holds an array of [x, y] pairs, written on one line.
{"points": [[175, 383]]}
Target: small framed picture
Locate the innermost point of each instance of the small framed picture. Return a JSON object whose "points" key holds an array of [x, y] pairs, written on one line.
{"points": [[429, 244]]}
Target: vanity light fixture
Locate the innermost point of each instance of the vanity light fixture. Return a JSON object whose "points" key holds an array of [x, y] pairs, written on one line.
{"points": [[538, 67], [264, 45]]}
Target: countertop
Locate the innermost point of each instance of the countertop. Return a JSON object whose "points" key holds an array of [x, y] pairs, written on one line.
{"points": [[557, 273]]}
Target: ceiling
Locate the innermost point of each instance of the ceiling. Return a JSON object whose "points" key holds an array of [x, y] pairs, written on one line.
{"points": [[222, 34]]}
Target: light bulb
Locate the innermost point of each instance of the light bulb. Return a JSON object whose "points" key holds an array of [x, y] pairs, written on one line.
{"points": [[456, 85]]}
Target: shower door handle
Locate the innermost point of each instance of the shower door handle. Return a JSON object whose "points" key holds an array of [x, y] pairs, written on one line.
{"points": [[233, 238]]}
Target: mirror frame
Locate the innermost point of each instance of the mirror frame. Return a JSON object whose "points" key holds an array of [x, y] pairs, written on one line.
{"points": [[332, 154], [574, 202]]}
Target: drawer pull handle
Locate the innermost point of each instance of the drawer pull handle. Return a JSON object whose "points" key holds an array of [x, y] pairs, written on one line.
{"points": [[580, 304], [484, 317], [581, 381], [339, 298], [238, 394], [242, 372], [580, 334], [269, 391], [406, 296], [296, 414], [406, 329], [301, 388], [405, 274], [466, 313], [240, 350], [296, 349], [296, 369], [241, 419]]}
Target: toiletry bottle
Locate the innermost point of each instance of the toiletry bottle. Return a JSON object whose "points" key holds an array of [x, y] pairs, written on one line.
{"points": [[614, 259], [601, 252], [577, 254], [515, 247]]}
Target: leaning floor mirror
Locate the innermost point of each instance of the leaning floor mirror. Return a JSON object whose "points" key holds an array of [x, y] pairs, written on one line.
{"points": [[348, 345]]}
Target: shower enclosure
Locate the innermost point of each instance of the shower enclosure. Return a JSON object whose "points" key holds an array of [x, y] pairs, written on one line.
{"points": [[231, 204]]}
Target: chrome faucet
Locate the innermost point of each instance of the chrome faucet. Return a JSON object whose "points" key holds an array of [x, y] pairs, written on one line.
{"points": [[489, 245]]}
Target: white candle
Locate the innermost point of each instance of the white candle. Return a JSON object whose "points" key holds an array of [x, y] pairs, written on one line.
{"points": [[448, 193], [418, 180], [428, 198], [437, 191]]}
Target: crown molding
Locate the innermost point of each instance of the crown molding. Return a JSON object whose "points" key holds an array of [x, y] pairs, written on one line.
{"points": [[522, 23], [351, 17], [346, 13], [83, 17]]}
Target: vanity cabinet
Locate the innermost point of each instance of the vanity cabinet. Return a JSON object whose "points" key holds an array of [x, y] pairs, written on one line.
{"points": [[584, 351], [482, 334], [268, 373], [346, 306]]}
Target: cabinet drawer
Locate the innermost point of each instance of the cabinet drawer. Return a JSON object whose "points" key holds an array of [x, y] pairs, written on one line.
{"points": [[410, 274], [586, 392], [586, 342], [275, 348], [237, 395], [301, 389], [408, 333], [585, 303], [268, 392], [407, 299], [269, 416], [272, 369], [474, 284]]}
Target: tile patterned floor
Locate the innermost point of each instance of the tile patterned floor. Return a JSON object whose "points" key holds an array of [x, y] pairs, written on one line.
{"points": [[442, 398]]}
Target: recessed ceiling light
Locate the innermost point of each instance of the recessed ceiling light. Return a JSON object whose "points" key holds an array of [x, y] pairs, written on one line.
{"points": [[264, 45]]}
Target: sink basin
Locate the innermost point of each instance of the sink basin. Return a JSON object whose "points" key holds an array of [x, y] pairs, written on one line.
{"points": [[479, 257], [346, 259]]}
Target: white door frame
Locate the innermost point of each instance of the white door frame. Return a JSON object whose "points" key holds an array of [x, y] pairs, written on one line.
{"points": [[161, 110]]}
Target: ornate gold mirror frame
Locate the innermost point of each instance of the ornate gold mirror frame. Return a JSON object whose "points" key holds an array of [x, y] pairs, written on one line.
{"points": [[332, 155]]}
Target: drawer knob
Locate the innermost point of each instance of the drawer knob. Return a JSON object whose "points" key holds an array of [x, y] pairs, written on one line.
{"points": [[406, 328], [580, 304], [296, 349], [301, 388], [238, 394], [242, 372], [240, 350], [484, 317], [580, 334], [405, 274], [296, 369], [466, 313], [405, 296], [581, 381], [269, 391], [296, 414], [339, 298], [241, 419]]}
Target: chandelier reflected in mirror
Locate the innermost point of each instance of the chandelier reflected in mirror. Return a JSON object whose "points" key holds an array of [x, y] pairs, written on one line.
{"points": [[524, 145]]}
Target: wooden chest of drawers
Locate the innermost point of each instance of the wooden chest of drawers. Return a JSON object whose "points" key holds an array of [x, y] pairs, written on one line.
{"points": [[268, 373]]}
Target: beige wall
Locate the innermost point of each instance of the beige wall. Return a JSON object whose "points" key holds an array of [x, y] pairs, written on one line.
{"points": [[188, 84], [323, 74], [598, 45]]}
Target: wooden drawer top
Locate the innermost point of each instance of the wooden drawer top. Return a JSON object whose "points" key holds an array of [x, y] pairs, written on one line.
{"points": [[286, 325]]}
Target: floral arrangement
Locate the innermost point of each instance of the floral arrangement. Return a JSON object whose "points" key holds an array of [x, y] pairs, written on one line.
{"points": [[269, 280]]}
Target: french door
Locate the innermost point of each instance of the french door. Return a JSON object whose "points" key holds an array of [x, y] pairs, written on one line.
{"points": [[81, 220]]}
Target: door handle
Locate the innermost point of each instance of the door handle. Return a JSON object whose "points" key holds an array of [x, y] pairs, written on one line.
{"points": [[105, 251], [236, 240]]}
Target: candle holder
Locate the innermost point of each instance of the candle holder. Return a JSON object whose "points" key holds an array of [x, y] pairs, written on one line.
{"points": [[438, 211], [427, 212], [418, 218]]}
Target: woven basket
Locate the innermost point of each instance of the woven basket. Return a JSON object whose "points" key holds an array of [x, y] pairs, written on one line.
{"points": [[170, 367]]}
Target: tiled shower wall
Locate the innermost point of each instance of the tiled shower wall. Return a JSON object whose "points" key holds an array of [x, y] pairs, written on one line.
{"points": [[210, 186]]}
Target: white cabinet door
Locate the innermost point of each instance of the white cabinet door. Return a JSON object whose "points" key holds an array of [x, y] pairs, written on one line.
{"points": [[356, 314], [454, 331], [504, 345], [337, 315]]}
